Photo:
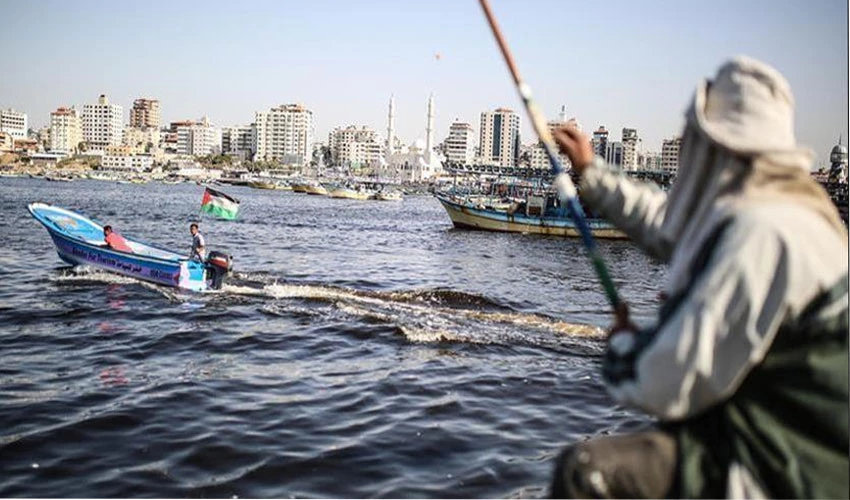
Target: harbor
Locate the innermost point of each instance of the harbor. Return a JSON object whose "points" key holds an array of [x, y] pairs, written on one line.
{"points": [[480, 249], [342, 318]]}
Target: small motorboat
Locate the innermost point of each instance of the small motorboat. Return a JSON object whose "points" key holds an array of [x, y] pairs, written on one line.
{"points": [[79, 241]]}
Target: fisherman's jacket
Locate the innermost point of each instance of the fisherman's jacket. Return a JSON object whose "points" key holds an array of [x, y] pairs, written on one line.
{"points": [[747, 364]]}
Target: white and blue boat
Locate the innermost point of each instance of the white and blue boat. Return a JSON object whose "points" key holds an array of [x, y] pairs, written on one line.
{"points": [[79, 241]]}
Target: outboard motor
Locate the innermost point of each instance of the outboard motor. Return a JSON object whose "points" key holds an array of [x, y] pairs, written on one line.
{"points": [[219, 265]]}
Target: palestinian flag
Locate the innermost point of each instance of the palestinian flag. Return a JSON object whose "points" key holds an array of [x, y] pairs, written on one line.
{"points": [[219, 204]]}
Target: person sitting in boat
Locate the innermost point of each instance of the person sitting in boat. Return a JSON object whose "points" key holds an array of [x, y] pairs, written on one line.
{"points": [[199, 251], [115, 241], [746, 364]]}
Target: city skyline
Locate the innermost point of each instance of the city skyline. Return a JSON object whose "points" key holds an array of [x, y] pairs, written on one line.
{"points": [[633, 66]]}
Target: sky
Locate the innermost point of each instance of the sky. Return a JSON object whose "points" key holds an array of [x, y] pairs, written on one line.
{"points": [[616, 63]]}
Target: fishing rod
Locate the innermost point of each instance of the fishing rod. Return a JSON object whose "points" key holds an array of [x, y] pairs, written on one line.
{"points": [[562, 183]]}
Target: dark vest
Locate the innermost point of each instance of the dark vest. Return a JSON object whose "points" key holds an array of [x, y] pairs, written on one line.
{"points": [[788, 422]]}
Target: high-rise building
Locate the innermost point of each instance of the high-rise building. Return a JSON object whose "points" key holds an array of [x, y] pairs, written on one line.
{"points": [[460, 144], [168, 138], [499, 137], [13, 123], [630, 142], [600, 141], [66, 130], [141, 140], [145, 114], [614, 154], [102, 124], [352, 146], [198, 138], [670, 154], [539, 159], [285, 134], [648, 160], [239, 141]]}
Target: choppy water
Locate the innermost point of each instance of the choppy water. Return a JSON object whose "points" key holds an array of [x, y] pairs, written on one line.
{"points": [[362, 349]]}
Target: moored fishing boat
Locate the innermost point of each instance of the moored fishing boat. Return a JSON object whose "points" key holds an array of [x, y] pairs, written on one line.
{"points": [[298, 186], [534, 214], [358, 193], [262, 185], [79, 241], [314, 187]]}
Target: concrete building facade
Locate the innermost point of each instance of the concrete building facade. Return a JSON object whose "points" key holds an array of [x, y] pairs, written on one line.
{"points": [[499, 138], [66, 130], [285, 134], [459, 146], [13, 123], [630, 141], [102, 124], [670, 154], [145, 114]]}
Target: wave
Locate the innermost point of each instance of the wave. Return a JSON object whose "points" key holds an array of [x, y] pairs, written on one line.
{"points": [[422, 316], [433, 316]]}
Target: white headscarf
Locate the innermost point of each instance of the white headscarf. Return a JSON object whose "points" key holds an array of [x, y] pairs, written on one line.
{"points": [[738, 148]]}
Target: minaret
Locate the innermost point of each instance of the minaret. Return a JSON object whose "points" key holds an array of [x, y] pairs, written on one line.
{"points": [[562, 116], [429, 128], [390, 117]]}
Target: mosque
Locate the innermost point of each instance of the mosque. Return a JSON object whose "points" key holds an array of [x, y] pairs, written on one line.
{"points": [[414, 163], [836, 182]]}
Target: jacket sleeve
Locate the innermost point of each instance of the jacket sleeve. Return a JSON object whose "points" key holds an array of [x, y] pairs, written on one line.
{"points": [[722, 326], [636, 208]]}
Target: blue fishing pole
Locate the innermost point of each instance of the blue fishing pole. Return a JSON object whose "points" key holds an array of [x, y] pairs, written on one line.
{"points": [[564, 185]]}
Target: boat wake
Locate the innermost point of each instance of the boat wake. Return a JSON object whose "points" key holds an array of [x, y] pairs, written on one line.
{"points": [[420, 316], [430, 316]]}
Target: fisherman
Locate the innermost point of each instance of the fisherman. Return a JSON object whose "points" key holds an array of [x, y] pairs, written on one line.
{"points": [[199, 251], [115, 241], [746, 366]]}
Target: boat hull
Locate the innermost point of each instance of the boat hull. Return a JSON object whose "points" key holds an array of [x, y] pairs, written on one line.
{"points": [[316, 189], [466, 216], [349, 194], [72, 235]]}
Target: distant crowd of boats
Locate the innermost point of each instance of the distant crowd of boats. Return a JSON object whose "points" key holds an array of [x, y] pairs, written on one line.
{"points": [[347, 189], [503, 203]]}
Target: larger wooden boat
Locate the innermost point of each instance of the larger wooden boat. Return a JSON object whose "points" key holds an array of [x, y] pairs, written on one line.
{"points": [[533, 214]]}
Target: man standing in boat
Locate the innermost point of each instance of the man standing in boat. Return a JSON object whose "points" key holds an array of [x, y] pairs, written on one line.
{"points": [[199, 250], [746, 367]]}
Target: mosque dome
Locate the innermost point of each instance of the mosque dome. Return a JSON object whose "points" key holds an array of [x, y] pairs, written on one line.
{"points": [[838, 154]]}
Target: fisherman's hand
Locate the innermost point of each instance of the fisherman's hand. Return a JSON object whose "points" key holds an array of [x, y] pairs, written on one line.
{"points": [[621, 335], [576, 145]]}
